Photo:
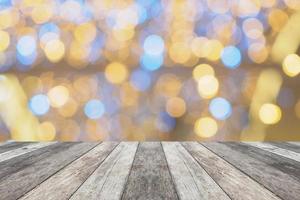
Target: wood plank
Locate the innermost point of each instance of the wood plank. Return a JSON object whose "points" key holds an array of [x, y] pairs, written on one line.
{"points": [[262, 167], [235, 183], [149, 177], [8, 146], [16, 164], [208, 188], [64, 183], [115, 182], [183, 179], [286, 145], [23, 150], [108, 180], [17, 184], [276, 150]]}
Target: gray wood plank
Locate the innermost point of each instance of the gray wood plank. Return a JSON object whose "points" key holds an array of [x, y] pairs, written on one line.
{"points": [[149, 177], [286, 145], [64, 183], [235, 183], [115, 182], [8, 146], [108, 180], [183, 179], [17, 184], [276, 150], [264, 167], [208, 188], [23, 150], [18, 163]]}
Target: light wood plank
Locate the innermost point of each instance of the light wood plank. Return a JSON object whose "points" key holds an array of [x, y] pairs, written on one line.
{"points": [[8, 146], [273, 149], [149, 177], [23, 150], [295, 143], [64, 183], [183, 179], [235, 183], [208, 188], [115, 182], [261, 166], [15, 185], [286, 145]]}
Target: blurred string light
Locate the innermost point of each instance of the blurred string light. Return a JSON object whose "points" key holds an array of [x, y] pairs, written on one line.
{"points": [[39, 104], [206, 127], [160, 65], [94, 109], [220, 108]]}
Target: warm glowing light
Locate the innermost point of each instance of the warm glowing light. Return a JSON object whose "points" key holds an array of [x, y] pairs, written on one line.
{"points": [[85, 33], [58, 96], [202, 70], [208, 86], [206, 127], [291, 65], [176, 107], [54, 50], [47, 132], [4, 40], [116, 72], [270, 113]]}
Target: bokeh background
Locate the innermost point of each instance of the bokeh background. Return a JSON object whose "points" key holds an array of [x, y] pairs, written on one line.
{"points": [[149, 70]]}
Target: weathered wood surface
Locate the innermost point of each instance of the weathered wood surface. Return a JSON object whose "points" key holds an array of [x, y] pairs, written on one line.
{"points": [[150, 170]]}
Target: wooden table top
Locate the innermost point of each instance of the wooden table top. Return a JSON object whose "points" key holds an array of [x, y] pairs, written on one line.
{"points": [[150, 170]]}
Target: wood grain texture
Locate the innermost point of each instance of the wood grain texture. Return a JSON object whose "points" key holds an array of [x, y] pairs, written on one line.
{"points": [[286, 145], [262, 166], [64, 183], [15, 185], [235, 183], [207, 187], [7, 146], [191, 181], [115, 182], [23, 150], [276, 150], [150, 177]]}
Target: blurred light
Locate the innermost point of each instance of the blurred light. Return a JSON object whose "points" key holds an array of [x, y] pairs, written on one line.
{"points": [[293, 4], [165, 123], [4, 40], [176, 107], [253, 28], [152, 62], [180, 52], [116, 72], [220, 108], [270, 113], [85, 33], [297, 109], [54, 50], [41, 13], [206, 127], [208, 86], [202, 70], [291, 65], [220, 6], [94, 109], [154, 45], [231, 57], [58, 96], [69, 108], [27, 60], [26, 45], [46, 132], [277, 19], [39, 104], [140, 80], [258, 53]]}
